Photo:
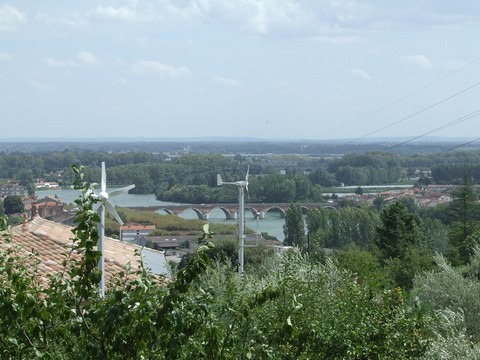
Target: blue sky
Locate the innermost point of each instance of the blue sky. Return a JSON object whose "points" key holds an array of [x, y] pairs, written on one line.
{"points": [[275, 69]]}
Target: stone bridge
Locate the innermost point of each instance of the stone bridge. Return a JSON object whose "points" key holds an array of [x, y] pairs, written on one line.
{"points": [[258, 210]]}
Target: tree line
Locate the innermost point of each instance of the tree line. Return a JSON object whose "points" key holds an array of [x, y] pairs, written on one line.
{"points": [[192, 178], [401, 238]]}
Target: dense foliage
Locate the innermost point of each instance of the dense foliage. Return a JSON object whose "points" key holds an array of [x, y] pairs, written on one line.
{"points": [[12, 204], [192, 178], [284, 307]]}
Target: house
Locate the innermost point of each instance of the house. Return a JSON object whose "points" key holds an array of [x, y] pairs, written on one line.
{"points": [[130, 232], [47, 207], [174, 245], [41, 184], [52, 242], [10, 188]]}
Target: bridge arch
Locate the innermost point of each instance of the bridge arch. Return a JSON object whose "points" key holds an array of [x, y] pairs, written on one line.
{"points": [[227, 212], [330, 207], [305, 209], [166, 210], [197, 211], [255, 212], [276, 208]]}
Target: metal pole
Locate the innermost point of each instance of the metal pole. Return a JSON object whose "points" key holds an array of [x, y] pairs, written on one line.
{"points": [[241, 227], [101, 248]]}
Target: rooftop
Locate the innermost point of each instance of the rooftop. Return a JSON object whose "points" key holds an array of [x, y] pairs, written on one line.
{"points": [[53, 241]]}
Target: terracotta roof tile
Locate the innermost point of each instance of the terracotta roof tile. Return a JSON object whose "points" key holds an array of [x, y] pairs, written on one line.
{"points": [[53, 241], [137, 227]]}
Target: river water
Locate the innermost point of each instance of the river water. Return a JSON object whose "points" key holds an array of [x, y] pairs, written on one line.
{"points": [[272, 223]]}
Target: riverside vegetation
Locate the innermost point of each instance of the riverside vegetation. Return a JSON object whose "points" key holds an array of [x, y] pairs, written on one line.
{"points": [[387, 296]]}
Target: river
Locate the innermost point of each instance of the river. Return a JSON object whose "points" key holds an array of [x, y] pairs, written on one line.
{"points": [[272, 223]]}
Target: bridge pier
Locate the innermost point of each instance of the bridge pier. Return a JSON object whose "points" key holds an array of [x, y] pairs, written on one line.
{"points": [[205, 215], [261, 214]]}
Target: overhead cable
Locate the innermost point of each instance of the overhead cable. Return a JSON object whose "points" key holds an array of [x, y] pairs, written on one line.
{"points": [[403, 97], [409, 116], [445, 126]]}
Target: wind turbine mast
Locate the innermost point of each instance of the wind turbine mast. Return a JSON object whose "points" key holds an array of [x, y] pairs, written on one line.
{"points": [[106, 205], [242, 185]]}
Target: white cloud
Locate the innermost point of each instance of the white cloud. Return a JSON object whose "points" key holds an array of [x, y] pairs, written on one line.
{"points": [[286, 88], [225, 81], [336, 40], [120, 81], [362, 74], [142, 42], [110, 13], [6, 56], [348, 11], [10, 18], [154, 68], [87, 57], [419, 60], [260, 17], [36, 84], [59, 63], [73, 21]]}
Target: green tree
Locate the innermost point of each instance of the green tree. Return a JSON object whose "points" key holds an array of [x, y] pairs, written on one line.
{"points": [[379, 203], [294, 228], [25, 177], [403, 247], [364, 265], [454, 289], [464, 216], [13, 204]]}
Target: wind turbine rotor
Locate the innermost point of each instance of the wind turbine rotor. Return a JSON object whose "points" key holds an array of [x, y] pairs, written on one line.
{"points": [[246, 181], [219, 180], [123, 190], [113, 212], [103, 196], [103, 187]]}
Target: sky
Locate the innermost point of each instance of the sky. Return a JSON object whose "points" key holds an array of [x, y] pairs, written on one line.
{"points": [[271, 69]]}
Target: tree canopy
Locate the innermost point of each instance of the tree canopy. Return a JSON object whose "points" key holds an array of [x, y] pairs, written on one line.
{"points": [[13, 204]]}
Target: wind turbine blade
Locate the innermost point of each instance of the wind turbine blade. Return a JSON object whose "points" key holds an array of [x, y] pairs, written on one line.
{"points": [[99, 211], [219, 180], [112, 211], [246, 176], [104, 178], [123, 190]]}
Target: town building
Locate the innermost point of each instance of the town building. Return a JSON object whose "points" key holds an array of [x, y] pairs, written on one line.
{"points": [[41, 184], [132, 232], [48, 207], [10, 189]]}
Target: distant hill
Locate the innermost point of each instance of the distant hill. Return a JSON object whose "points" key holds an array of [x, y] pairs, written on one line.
{"points": [[240, 145]]}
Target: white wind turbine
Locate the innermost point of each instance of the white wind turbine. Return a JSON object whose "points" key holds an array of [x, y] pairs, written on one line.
{"points": [[242, 185], [103, 197]]}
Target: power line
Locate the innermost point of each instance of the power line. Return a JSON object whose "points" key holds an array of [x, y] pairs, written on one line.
{"points": [[445, 126], [409, 116], [461, 145], [403, 97]]}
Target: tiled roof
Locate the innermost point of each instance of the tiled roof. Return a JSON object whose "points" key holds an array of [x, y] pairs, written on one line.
{"points": [[52, 241], [46, 204], [48, 199], [137, 227]]}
